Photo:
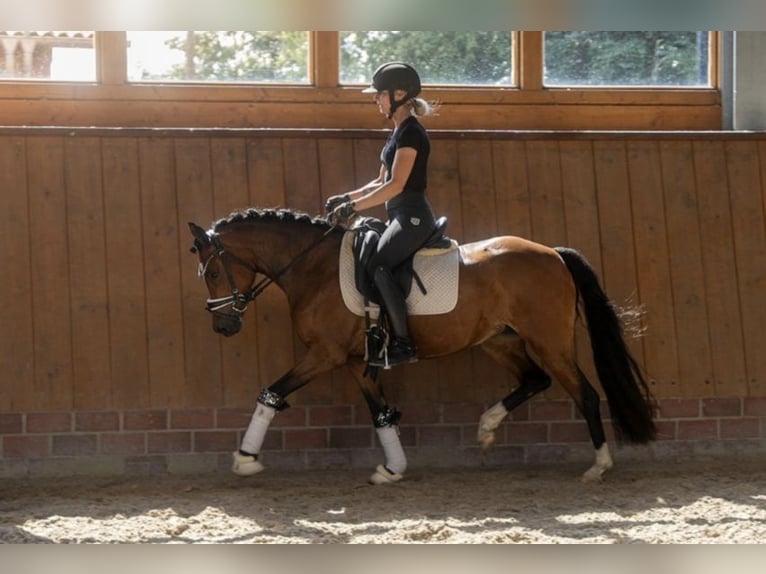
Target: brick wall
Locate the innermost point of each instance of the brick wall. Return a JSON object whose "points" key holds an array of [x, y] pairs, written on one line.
{"points": [[341, 436]]}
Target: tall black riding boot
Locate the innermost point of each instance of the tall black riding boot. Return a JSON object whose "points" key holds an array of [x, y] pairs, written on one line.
{"points": [[400, 349]]}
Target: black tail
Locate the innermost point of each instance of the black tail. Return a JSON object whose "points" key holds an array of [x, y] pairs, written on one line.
{"points": [[628, 395]]}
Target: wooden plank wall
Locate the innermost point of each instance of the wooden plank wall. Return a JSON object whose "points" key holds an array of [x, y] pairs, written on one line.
{"points": [[103, 309]]}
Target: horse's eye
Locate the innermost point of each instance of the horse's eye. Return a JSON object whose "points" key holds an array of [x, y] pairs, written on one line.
{"points": [[214, 275]]}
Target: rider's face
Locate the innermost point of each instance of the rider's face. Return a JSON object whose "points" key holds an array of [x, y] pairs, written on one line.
{"points": [[383, 100]]}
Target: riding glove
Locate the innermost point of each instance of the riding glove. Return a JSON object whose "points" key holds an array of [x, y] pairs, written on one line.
{"points": [[342, 213], [334, 201]]}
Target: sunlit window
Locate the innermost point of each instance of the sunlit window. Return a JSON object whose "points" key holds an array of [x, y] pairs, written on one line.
{"points": [[444, 58], [47, 55], [253, 57], [627, 59]]}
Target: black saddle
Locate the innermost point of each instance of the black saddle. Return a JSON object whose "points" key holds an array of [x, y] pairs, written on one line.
{"points": [[367, 234]]}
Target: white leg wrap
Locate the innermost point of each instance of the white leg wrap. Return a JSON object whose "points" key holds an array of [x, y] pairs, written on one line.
{"points": [[256, 432], [488, 422], [396, 460], [245, 465]]}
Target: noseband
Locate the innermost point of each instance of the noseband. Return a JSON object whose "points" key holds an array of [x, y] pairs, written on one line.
{"points": [[239, 301]]}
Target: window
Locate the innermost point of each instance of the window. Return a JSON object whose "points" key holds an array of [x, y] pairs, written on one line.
{"points": [[627, 59], [252, 57], [56, 56], [292, 79], [443, 58]]}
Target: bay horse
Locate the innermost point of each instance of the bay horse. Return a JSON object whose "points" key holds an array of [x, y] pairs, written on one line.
{"points": [[518, 300]]}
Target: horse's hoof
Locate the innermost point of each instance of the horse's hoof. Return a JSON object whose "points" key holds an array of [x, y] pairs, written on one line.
{"points": [[486, 440], [245, 465], [384, 476], [593, 475]]}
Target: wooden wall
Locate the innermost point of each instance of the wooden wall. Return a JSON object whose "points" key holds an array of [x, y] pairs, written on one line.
{"points": [[103, 309]]}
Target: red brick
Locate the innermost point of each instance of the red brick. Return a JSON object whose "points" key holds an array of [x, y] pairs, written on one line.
{"points": [[49, 422], [233, 418], [97, 421], [351, 437], [329, 416], [305, 438], [192, 419], [75, 445], [526, 433], [145, 420], [697, 430], [755, 406], [16, 446], [123, 443], [441, 436], [165, 442], [292, 417], [274, 439], [419, 414], [462, 412], [551, 410], [408, 435], [569, 432], [740, 428], [215, 441], [679, 408], [520, 413], [722, 407], [10, 423], [666, 430]]}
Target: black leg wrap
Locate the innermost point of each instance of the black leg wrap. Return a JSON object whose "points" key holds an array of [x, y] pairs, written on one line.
{"points": [[273, 400], [386, 418]]}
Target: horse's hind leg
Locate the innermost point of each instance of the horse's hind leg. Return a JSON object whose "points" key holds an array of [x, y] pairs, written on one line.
{"points": [[563, 368], [509, 350]]}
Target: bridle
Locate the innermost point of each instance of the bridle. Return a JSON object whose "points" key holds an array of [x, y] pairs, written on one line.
{"points": [[239, 301]]}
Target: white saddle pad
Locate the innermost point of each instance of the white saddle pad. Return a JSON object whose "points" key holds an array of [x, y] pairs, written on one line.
{"points": [[438, 269]]}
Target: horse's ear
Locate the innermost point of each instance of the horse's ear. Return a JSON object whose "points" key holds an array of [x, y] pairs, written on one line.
{"points": [[198, 233]]}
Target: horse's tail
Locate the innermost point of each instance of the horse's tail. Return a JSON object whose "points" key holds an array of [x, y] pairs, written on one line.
{"points": [[628, 395]]}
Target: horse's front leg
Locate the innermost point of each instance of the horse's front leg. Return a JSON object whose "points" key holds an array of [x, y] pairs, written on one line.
{"points": [[386, 422], [272, 400]]}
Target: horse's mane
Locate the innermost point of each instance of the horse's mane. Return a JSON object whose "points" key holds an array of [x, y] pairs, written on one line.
{"points": [[271, 215]]}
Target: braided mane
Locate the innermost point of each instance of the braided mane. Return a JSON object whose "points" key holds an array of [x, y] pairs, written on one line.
{"points": [[271, 215]]}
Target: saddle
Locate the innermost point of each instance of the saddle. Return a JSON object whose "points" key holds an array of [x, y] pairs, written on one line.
{"points": [[367, 232]]}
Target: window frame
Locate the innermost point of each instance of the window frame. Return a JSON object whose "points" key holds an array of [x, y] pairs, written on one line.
{"points": [[112, 100]]}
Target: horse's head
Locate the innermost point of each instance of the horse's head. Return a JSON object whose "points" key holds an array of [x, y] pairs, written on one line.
{"points": [[229, 280]]}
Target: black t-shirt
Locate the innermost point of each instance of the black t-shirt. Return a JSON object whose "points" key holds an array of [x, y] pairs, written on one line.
{"points": [[409, 134]]}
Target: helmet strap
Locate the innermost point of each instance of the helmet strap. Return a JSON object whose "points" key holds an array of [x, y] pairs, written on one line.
{"points": [[394, 104]]}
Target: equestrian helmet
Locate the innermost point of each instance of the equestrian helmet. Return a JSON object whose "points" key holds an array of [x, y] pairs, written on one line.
{"points": [[395, 76]]}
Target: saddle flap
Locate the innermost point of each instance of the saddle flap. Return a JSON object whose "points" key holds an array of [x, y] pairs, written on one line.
{"points": [[438, 270]]}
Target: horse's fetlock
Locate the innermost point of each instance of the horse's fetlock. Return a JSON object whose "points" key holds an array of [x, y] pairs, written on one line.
{"points": [[387, 418], [271, 399]]}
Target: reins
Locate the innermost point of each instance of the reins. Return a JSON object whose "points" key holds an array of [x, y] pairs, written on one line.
{"points": [[244, 299]]}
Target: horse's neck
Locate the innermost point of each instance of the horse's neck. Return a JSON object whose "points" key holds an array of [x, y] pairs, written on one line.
{"points": [[277, 246]]}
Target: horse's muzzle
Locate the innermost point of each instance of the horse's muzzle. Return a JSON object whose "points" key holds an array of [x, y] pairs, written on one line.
{"points": [[226, 325]]}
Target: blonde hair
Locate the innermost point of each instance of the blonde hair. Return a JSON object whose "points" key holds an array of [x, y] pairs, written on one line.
{"points": [[421, 107]]}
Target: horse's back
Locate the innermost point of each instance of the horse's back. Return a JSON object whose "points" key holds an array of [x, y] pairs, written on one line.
{"points": [[513, 267], [505, 247]]}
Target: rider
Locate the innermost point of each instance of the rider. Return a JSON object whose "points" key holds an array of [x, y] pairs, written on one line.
{"points": [[401, 185]]}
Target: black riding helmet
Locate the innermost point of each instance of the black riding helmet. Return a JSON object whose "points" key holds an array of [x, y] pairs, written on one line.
{"points": [[394, 76]]}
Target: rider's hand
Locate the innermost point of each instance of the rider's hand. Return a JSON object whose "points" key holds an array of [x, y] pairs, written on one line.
{"points": [[335, 201], [342, 213]]}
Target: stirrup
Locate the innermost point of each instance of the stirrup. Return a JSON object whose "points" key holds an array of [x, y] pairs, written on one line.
{"points": [[397, 353]]}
